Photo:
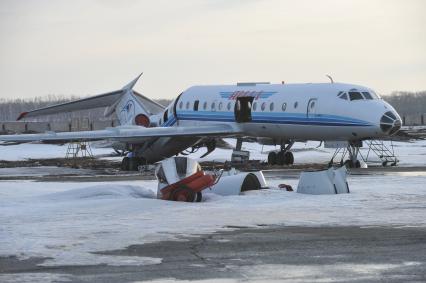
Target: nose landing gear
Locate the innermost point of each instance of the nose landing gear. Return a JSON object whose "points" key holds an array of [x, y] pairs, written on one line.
{"points": [[353, 151]]}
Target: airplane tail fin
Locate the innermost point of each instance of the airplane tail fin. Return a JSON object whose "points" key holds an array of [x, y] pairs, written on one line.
{"points": [[125, 103]]}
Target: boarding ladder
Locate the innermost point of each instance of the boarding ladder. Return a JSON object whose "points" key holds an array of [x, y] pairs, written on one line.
{"points": [[385, 153]]}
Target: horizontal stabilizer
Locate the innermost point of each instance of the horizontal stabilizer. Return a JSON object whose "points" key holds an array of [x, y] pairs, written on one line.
{"points": [[149, 105]]}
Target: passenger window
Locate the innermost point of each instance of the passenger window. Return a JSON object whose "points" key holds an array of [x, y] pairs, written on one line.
{"points": [[263, 106], [284, 106], [271, 106], [229, 106], [354, 95], [254, 106], [213, 106], [205, 105], [367, 95], [220, 106], [187, 105], [296, 104], [196, 105], [181, 105]]}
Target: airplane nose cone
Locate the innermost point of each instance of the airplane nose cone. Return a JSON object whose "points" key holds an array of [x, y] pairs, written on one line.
{"points": [[390, 123]]}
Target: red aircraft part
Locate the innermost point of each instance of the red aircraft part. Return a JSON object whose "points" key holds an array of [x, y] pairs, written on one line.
{"points": [[187, 188], [142, 120]]}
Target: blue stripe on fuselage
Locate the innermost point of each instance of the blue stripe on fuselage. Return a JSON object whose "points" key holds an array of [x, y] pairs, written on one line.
{"points": [[275, 118]]}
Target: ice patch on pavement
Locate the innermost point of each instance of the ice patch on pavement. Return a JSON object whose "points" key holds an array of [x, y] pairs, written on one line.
{"points": [[85, 259], [34, 277], [102, 192], [339, 272]]}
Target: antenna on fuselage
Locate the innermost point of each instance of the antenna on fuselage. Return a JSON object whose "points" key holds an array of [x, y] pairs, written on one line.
{"points": [[331, 79]]}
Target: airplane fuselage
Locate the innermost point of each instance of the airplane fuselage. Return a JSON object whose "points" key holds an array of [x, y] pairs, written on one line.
{"points": [[276, 113]]}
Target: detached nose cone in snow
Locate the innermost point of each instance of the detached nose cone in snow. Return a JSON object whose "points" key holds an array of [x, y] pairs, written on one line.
{"points": [[181, 179]]}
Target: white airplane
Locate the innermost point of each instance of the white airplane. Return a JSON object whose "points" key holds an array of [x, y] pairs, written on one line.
{"points": [[273, 114]]}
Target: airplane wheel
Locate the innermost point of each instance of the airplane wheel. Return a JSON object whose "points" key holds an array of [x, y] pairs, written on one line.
{"points": [[357, 164], [272, 158], [183, 194], [281, 158], [198, 197], [289, 158], [385, 163], [134, 163], [349, 164], [125, 164]]}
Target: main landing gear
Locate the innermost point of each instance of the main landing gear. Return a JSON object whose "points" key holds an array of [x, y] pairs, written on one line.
{"points": [[132, 163], [283, 157]]}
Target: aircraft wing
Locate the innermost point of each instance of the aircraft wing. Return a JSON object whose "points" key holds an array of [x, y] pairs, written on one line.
{"points": [[135, 134], [102, 100]]}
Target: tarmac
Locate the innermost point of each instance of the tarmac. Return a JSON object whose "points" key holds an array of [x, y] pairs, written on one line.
{"points": [[279, 254]]}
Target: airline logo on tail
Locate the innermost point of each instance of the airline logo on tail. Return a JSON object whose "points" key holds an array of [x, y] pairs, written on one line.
{"points": [[127, 112]]}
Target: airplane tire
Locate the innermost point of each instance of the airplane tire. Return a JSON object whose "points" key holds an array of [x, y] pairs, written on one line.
{"points": [[281, 158], [183, 194], [134, 163], [357, 164], [125, 166], [348, 163], [198, 197], [272, 158], [289, 158]]}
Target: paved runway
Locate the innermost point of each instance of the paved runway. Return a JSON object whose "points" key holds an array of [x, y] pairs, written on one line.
{"points": [[284, 254]]}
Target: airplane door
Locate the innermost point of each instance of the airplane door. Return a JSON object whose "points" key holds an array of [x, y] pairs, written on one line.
{"points": [[242, 109], [311, 111]]}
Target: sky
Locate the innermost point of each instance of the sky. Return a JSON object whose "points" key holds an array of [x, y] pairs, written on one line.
{"points": [[88, 47]]}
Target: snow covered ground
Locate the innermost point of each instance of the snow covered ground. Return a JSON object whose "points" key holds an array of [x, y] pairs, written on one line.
{"points": [[409, 153], [40, 151], [69, 221]]}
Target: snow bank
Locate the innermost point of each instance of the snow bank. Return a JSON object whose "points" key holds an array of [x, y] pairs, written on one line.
{"points": [[70, 221]]}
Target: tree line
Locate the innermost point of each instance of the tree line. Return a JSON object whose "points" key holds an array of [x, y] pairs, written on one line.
{"points": [[408, 103]]}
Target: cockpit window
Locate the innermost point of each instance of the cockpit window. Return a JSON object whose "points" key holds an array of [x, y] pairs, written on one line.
{"points": [[375, 95], [367, 95], [343, 95], [354, 95]]}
